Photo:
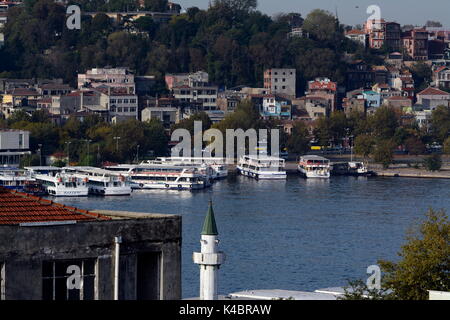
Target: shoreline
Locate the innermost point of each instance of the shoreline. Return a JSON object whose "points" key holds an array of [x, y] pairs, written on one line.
{"points": [[291, 168]]}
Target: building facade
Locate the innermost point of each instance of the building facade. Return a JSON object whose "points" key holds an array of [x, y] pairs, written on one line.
{"points": [[14, 144], [281, 81], [114, 255]]}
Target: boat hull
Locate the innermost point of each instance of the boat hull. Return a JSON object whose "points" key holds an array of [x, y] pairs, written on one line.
{"points": [[314, 174], [263, 176]]}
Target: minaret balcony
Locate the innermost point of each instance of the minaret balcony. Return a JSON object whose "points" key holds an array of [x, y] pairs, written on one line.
{"points": [[211, 259]]}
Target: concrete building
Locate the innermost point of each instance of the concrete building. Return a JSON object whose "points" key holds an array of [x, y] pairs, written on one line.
{"points": [[198, 92], [373, 99], [209, 258], [324, 88], [431, 98], [441, 77], [14, 144], [168, 110], [185, 79], [354, 104], [119, 78], [275, 106], [50, 251], [398, 102], [358, 75], [358, 36], [281, 81], [415, 44], [314, 106]]}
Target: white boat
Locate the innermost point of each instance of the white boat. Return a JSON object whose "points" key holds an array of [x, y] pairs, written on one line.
{"points": [[314, 167], [102, 182], [262, 167], [63, 185], [162, 176], [358, 168], [218, 165], [15, 179]]}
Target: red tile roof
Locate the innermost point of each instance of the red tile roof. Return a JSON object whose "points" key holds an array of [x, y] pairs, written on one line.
{"points": [[355, 31], [18, 207], [433, 92]]}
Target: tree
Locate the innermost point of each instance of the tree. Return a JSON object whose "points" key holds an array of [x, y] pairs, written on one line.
{"points": [[433, 24], [384, 153], [298, 141], [425, 260], [422, 75], [446, 146], [320, 24], [415, 146], [156, 5], [364, 145], [358, 290], [440, 123], [384, 123], [433, 162]]}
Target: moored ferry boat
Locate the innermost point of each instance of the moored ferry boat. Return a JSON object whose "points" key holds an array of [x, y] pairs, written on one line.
{"points": [[63, 185], [162, 176], [218, 165], [102, 182], [262, 167], [15, 179], [314, 167]]}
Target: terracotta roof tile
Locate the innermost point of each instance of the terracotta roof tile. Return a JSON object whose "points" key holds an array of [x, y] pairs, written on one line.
{"points": [[18, 207], [433, 91]]}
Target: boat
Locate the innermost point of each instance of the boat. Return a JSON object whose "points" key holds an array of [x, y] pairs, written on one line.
{"points": [[262, 167], [314, 167], [220, 169], [163, 176], [357, 168], [15, 178], [58, 183], [102, 182]]}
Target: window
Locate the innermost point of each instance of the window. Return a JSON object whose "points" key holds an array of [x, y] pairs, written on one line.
{"points": [[56, 273], [125, 101], [2, 282]]}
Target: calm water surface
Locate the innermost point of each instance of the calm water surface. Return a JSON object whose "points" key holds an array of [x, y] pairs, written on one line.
{"points": [[296, 234]]}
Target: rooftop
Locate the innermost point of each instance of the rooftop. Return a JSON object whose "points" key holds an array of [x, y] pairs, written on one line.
{"points": [[18, 208], [433, 92]]}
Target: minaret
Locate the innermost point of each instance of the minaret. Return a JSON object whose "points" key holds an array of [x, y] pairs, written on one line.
{"points": [[209, 259]]}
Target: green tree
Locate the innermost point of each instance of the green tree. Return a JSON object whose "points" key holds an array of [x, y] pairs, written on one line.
{"points": [[440, 123], [384, 123], [384, 152], [415, 146], [364, 145], [433, 162], [425, 260], [422, 75], [298, 141], [446, 146], [156, 5], [320, 24]]}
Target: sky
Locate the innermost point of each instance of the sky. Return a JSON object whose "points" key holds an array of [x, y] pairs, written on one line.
{"points": [[353, 12]]}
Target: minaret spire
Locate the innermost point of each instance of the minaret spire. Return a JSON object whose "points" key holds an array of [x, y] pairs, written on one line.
{"points": [[209, 259], [209, 226]]}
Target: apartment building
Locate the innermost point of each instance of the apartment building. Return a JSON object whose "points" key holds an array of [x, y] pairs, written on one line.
{"points": [[281, 81], [415, 44], [120, 78]]}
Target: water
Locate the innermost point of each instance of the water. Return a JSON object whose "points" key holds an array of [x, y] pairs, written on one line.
{"points": [[296, 234]]}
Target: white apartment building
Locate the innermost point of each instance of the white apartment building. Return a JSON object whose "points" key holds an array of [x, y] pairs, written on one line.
{"points": [[14, 144], [107, 77]]}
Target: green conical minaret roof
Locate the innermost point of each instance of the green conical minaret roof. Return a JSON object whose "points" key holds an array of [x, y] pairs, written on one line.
{"points": [[209, 226]]}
